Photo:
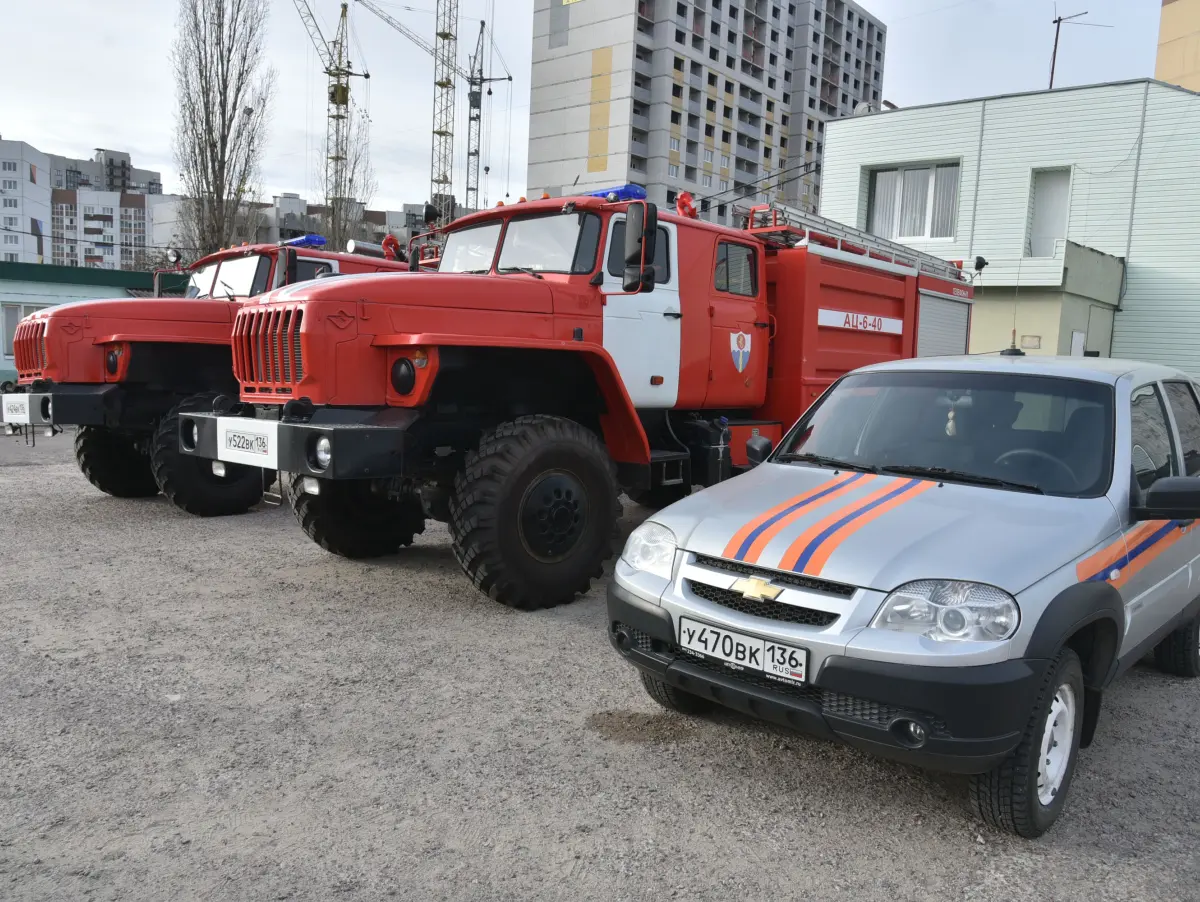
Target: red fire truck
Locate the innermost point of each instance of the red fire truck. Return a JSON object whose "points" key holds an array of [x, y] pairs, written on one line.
{"points": [[566, 349], [122, 370]]}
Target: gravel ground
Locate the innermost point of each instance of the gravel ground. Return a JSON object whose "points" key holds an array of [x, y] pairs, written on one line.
{"points": [[196, 709]]}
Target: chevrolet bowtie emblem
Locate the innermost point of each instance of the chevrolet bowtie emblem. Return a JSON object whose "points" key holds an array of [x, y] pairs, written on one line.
{"points": [[756, 589]]}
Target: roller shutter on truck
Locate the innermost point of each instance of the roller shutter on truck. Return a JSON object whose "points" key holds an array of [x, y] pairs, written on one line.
{"points": [[942, 326]]}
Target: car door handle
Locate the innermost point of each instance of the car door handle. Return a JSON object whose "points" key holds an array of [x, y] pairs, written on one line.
{"points": [[674, 314], [1187, 522]]}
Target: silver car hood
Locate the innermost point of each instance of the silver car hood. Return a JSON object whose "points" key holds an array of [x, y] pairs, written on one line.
{"points": [[878, 531]]}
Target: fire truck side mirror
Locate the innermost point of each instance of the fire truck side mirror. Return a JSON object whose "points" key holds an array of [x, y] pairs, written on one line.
{"points": [[641, 229], [289, 266], [758, 448]]}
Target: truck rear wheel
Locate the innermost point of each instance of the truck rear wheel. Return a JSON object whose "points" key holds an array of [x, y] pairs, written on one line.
{"points": [[113, 463], [189, 482], [351, 520], [534, 512]]}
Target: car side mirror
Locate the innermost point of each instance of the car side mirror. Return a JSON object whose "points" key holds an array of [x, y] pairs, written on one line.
{"points": [[758, 449], [641, 231], [1170, 498]]}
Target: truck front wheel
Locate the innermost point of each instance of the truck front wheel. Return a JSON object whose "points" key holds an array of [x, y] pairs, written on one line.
{"points": [[189, 482], [349, 518], [534, 512], [114, 463]]}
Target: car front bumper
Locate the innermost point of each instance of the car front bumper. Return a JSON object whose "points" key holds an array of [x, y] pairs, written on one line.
{"points": [[364, 443], [973, 716], [64, 405]]}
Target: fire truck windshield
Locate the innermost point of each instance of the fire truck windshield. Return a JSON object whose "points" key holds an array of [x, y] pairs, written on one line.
{"points": [[236, 277], [557, 242]]}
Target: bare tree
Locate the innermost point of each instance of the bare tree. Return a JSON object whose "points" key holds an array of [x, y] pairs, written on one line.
{"points": [[224, 92], [343, 216]]}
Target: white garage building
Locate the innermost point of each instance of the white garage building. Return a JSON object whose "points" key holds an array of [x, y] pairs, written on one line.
{"points": [[1085, 202]]}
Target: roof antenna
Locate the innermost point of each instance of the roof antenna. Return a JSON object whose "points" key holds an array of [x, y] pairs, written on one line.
{"points": [[1012, 350], [1058, 21]]}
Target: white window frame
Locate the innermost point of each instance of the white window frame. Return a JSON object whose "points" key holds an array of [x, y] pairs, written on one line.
{"points": [[8, 184], [675, 144], [706, 180], [708, 156], [931, 168], [9, 166], [724, 161], [672, 170]]}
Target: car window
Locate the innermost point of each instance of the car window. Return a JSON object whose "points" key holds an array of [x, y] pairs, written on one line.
{"points": [[737, 270], [310, 269], [1153, 456], [662, 253], [1187, 420], [1052, 433]]}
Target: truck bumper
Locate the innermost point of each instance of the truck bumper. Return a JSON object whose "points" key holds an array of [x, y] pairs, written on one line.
{"points": [[972, 717], [64, 405], [363, 444]]}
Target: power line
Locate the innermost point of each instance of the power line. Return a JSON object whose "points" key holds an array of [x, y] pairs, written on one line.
{"points": [[807, 168]]}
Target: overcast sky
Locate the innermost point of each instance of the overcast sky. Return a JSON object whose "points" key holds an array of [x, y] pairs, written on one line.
{"points": [[78, 74]]}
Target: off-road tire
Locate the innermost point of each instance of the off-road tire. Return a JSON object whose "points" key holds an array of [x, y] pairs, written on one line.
{"points": [[189, 482], [492, 496], [1179, 653], [660, 496], [1006, 798], [7, 387], [673, 699], [113, 463], [350, 520]]}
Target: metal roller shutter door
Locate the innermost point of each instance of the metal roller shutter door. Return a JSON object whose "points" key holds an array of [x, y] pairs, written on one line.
{"points": [[942, 327]]}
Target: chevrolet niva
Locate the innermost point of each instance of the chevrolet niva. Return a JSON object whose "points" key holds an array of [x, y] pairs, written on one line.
{"points": [[945, 562]]}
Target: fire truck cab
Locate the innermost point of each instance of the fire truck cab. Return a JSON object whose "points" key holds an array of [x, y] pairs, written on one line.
{"points": [[121, 371], [566, 349]]}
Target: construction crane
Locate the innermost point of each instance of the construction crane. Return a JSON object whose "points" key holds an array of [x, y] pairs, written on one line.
{"points": [[444, 51], [335, 59]]}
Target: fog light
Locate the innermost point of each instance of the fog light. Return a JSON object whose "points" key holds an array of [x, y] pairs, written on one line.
{"points": [[218, 469], [909, 732], [194, 432], [310, 486], [322, 452], [404, 376], [47, 409], [112, 362], [916, 732]]}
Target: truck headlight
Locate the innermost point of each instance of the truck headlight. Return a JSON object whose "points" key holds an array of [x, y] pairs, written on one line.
{"points": [[950, 610], [651, 549]]}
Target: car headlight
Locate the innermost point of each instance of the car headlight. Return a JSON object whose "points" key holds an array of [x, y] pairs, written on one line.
{"points": [[651, 549], [950, 610]]}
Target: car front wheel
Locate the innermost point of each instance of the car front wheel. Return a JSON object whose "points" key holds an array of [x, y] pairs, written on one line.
{"points": [[1026, 793]]}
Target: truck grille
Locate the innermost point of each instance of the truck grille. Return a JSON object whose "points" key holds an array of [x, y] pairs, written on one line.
{"points": [[29, 349], [267, 356], [769, 610]]}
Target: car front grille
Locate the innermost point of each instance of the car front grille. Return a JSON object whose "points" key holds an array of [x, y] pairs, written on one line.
{"points": [[768, 610], [29, 349], [795, 580], [267, 356]]}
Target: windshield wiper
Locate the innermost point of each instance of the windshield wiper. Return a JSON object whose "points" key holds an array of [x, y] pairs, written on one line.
{"points": [[823, 461], [228, 289], [524, 269], [472, 272], [963, 476]]}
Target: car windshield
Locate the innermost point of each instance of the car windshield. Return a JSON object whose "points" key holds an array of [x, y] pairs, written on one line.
{"points": [[558, 242], [1021, 432], [238, 277], [471, 250]]}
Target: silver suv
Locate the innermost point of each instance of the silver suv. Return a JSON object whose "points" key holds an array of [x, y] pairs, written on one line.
{"points": [[946, 561]]}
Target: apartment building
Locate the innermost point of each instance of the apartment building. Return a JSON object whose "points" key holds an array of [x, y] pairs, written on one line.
{"points": [[102, 229], [1178, 60], [724, 99], [24, 203]]}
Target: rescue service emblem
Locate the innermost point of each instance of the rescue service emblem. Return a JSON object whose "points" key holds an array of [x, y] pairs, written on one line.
{"points": [[739, 346], [755, 589]]}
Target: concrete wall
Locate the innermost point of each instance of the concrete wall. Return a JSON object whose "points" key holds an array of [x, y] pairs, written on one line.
{"points": [[1179, 44], [1041, 316]]}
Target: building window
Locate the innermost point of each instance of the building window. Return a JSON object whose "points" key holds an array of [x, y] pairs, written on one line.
{"points": [[712, 79], [9, 166], [710, 131], [10, 258], [708, 156], [914, 202], [724, 187], [9, 184], [728, 87], [706, 181], [673, 170], [711, 105], [726, 137], [675, 144], [676, 117], [12, 239], [724, 161], [10, 222], [728, 112], [676, 90], [1047, 219]]}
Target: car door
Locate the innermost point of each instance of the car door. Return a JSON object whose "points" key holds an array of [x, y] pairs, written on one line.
{"points": [[642, 331], [1185, 413], [1155, 579]]}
